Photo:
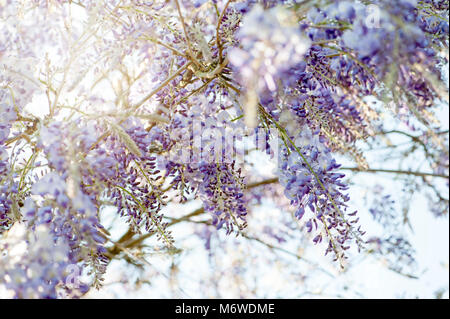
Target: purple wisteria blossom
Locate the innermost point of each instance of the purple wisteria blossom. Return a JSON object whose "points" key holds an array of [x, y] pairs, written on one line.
{"points": [[121, 122]]}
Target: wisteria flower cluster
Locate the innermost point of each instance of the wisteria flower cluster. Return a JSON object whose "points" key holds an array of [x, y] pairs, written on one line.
{"points": [[134, 107]]}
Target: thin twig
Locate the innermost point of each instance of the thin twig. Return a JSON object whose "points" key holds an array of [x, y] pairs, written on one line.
{"points": [[219, 45]]}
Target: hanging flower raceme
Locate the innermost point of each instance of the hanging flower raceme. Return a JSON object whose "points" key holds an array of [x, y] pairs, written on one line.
{"points": [[201, 151], [8, 185]]}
